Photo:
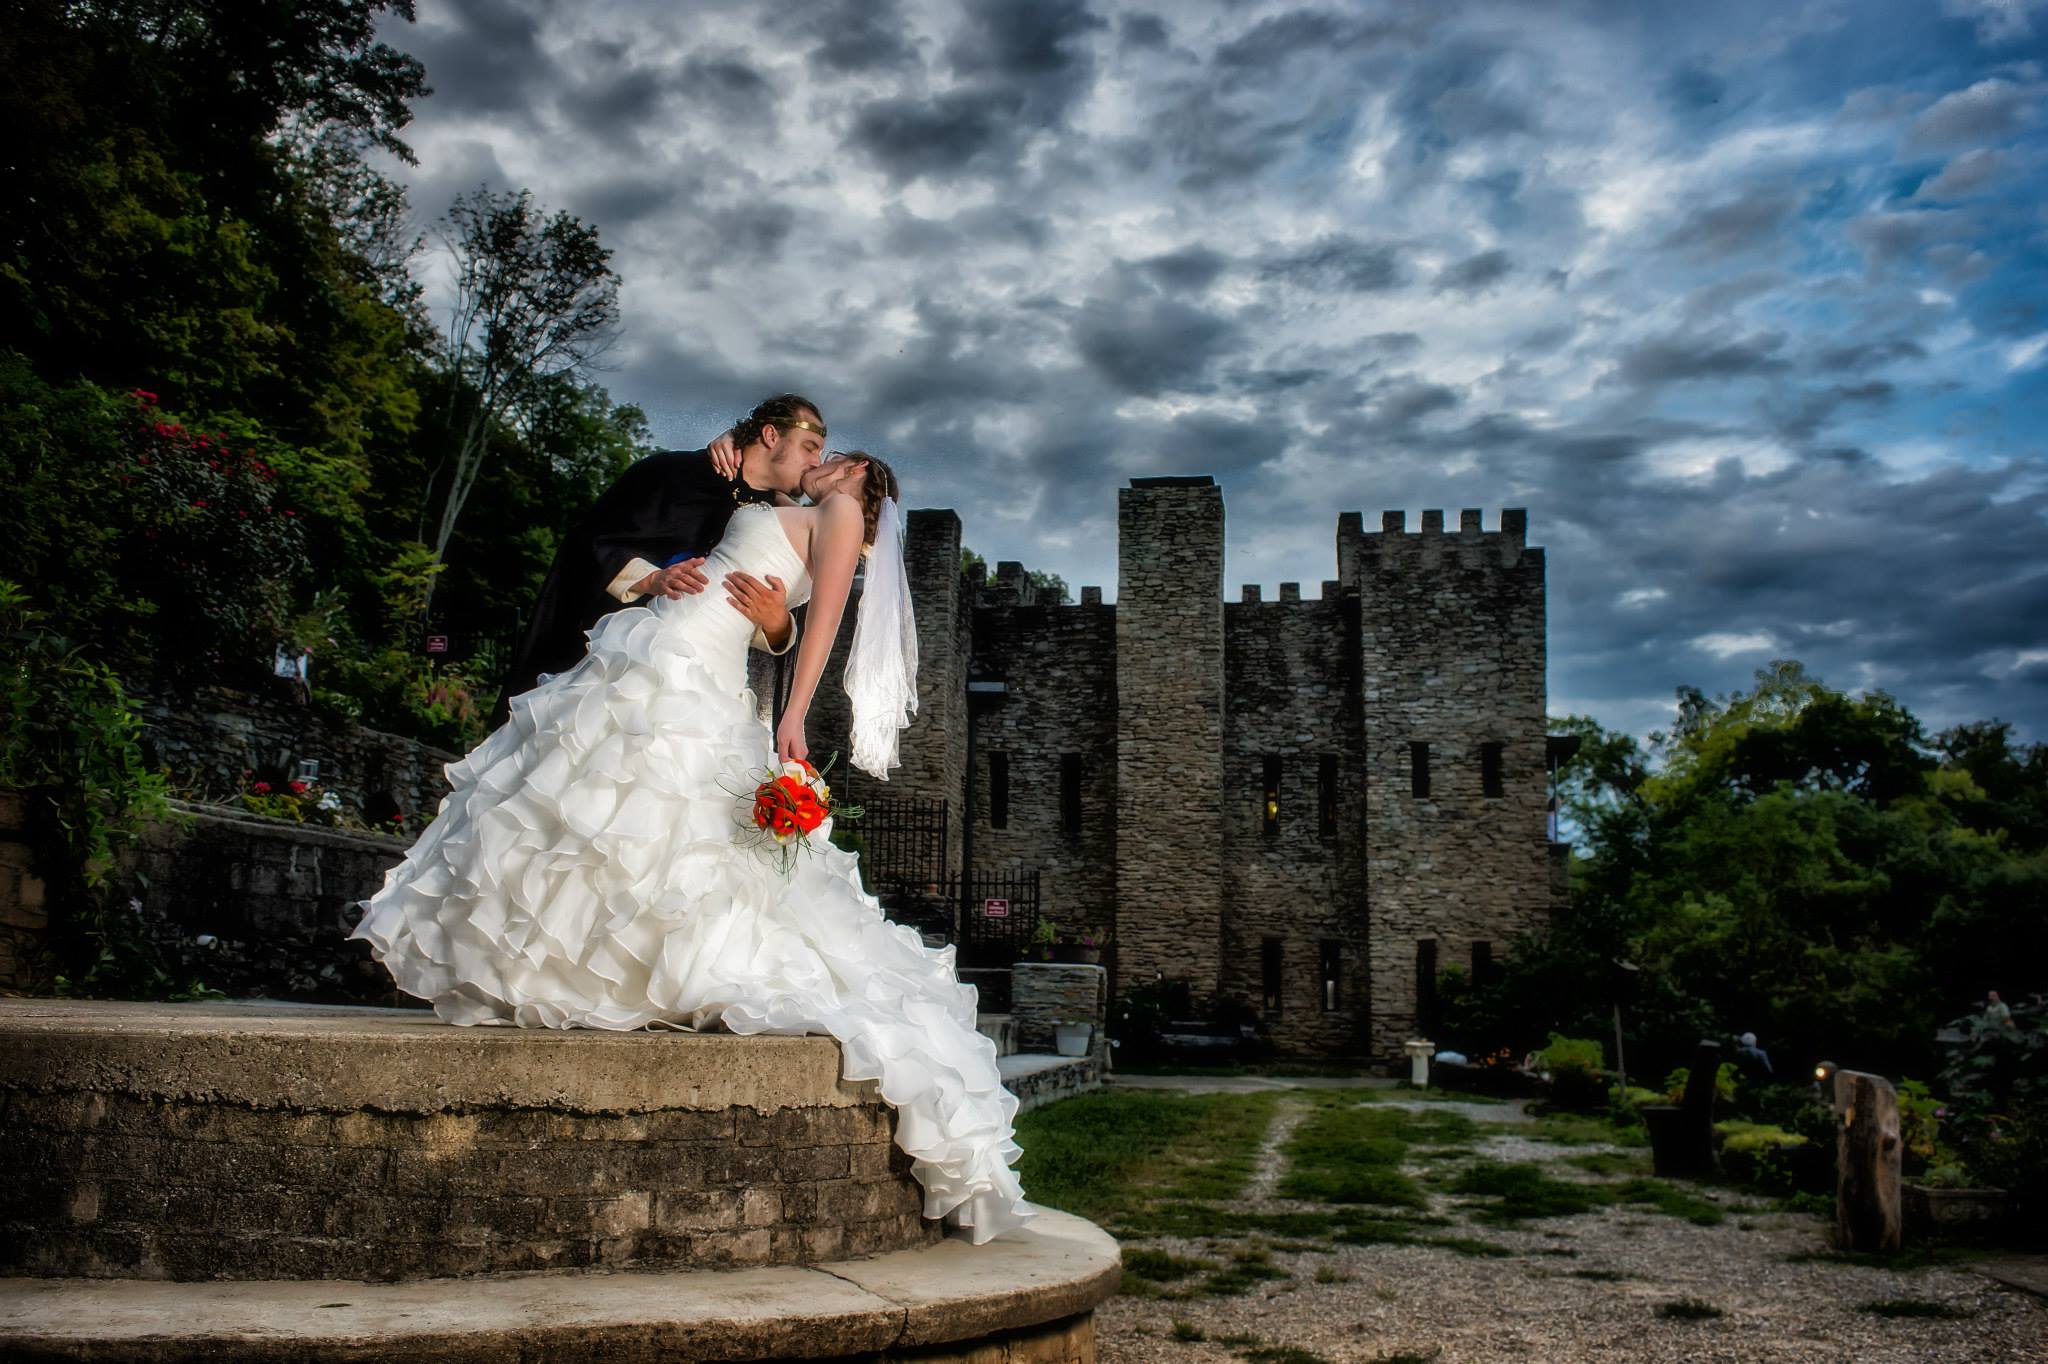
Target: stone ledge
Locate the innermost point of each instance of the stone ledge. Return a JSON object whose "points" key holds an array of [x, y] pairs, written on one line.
{"points": [[1057, 1267], [327, 1059]]}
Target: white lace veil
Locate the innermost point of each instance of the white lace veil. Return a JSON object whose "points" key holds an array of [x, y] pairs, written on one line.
{"points": [[881, 667]]}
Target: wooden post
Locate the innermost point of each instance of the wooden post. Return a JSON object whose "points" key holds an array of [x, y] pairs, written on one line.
{"points": [[1868, 1215]]}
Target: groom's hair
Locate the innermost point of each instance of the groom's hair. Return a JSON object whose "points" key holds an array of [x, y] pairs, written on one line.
{"points": [[777, 412]]}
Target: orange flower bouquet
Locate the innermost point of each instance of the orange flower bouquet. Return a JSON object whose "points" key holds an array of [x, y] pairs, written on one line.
{"points": [[783, 807]]}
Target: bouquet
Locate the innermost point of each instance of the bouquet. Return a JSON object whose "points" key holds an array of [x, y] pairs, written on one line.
{"points": [[782, 807]]}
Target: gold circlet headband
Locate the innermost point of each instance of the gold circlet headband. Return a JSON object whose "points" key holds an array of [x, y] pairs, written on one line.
{"points": [[807, 426]]}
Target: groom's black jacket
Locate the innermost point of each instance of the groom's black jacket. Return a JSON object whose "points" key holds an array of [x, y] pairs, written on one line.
{"points": [[670, 505]]}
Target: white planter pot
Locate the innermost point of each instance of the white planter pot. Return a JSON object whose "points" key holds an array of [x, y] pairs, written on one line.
{"points": [[1071, 1039]]}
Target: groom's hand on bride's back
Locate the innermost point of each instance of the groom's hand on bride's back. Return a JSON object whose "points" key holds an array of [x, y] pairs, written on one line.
{"points": [[762, 601], [675, 580]]}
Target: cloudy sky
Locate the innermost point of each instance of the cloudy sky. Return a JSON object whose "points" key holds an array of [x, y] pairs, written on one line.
{"points": [[1746, 303]]}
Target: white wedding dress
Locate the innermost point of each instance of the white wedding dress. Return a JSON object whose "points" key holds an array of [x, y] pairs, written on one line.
{"points": [[583, 873]]}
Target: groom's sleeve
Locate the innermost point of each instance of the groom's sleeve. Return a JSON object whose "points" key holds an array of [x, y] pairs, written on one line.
{"points": [[761, 637], [622, 586]]}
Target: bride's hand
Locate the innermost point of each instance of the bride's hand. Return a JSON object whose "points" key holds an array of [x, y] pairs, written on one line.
{"points": [[724, 457], [789, 739]]}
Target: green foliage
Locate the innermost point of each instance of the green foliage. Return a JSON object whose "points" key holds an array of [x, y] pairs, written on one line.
{"points": [[70, 747], [1727, 1081]]}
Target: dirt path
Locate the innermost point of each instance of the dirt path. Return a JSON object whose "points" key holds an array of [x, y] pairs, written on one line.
{"points": [[1621, 1284]]}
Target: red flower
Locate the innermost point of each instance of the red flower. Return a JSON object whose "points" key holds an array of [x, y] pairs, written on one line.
{"points": [[261, 788], [298, 788], [200, 503]]}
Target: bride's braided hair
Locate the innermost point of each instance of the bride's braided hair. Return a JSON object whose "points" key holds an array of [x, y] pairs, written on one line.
{"points": [[879, 484], [776, 412]]}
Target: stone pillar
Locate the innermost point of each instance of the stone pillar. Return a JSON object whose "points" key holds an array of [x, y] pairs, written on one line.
{"points": [[1169, 639], [1868, 1152], [934, 748]]}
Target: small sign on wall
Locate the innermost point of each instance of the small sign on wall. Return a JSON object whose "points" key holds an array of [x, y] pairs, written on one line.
{"points": [[437, 644], [995, 909]]}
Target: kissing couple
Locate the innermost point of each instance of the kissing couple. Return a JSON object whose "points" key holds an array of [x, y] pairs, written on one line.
{"points": [[591, 868]]}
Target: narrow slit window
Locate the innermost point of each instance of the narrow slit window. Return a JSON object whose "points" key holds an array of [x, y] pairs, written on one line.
{"points": [[1425, 984], [1482, 963], [1270, 805], [1269, 971], [1489, 770], [1418, 769], [1326, 783], [1333, 980], [1070, 792], [999, 790]]}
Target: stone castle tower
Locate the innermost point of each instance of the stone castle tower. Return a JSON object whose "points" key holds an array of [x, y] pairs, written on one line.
{"points": [[1305, 807]]}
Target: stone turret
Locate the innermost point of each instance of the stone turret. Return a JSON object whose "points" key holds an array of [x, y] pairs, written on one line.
{"points": [[1452, 633], [1169, 640]]}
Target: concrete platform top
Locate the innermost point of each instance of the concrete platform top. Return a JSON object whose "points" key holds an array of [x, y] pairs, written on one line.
{"points": [[1056, 1266], [401, 1060]]}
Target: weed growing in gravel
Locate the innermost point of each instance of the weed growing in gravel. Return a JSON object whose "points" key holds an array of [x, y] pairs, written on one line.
{"points": [[1351, 1152], [1283, 1354], [1598, 1275], [1328, 1274], [1911, 1258], [1670, 1200], [1521, 1191], [1406, 1357], [1916, 1307], [1688, 1309], [1470, 1246], [1187, 1330], [1236, 1339], [1609, 1162]]}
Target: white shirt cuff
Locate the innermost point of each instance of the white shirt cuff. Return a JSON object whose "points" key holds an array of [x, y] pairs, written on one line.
{"points": [[622, 586], [761, 639]]}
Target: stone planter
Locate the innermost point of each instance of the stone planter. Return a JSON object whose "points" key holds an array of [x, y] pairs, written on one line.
{"points": [[1074, 954], [1071, 1039], [1955, 1214]]}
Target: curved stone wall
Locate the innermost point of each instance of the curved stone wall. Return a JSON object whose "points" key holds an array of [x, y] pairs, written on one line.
{"points": [[225, 1141]]}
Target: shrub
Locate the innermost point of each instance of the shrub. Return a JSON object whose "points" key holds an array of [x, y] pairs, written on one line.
{"points": [[1577, 1079]]}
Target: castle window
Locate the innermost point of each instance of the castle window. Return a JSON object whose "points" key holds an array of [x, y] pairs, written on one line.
{"points": [[1326, 784], [1070, 792], [1418, 770], [1489, 770], [1269, 971], [1333, 966], [998, 790], [1425, 985], [1271, 806], [1482, 963]]}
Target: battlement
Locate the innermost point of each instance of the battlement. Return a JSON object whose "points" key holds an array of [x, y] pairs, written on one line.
{"points": [[1471, 545], [1254, 594]]}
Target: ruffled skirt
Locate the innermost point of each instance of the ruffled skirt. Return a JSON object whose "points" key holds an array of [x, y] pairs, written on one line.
{"points": [[583, 873]]}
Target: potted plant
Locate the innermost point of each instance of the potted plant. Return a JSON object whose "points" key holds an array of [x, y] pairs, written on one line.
{"points": [[1079, 948], [1071, 1036]]}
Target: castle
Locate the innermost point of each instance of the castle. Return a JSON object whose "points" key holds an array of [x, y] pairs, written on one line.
{"points": [[1304, 807]]}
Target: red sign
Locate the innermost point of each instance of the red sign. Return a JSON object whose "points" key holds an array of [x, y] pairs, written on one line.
{"points": [[995, 909], [437, 644]]}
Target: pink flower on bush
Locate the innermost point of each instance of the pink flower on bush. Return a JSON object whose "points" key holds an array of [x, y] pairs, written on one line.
{"points": [[261, 788], [298, 788]]}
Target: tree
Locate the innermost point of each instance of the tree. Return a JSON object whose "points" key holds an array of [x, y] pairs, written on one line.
{"points": [[535, 300]]}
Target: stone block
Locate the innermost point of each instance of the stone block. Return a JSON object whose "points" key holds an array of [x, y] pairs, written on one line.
{"points": [[698, 1210], [718, 1249]]}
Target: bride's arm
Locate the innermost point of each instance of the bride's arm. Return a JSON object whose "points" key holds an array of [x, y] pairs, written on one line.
{"points": [[835, 549]]}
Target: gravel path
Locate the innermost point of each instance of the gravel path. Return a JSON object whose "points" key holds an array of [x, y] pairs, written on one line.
{"points": [[1575, 1289]]}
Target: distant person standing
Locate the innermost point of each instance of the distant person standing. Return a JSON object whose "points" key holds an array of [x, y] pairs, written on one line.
{"points": [[1752, 1057], [1997, 1013]]}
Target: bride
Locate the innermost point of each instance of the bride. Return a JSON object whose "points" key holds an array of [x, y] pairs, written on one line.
{"points": [[583, 872]]}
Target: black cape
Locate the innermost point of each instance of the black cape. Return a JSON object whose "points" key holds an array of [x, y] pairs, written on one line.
{"points": [[670, 505]]}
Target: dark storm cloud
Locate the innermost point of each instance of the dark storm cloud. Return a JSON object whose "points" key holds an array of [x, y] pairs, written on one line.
{"points": [[1340, 262], [1862, 355], [1039, 54], [1802, 416], [1141, 31], [941, 137], [1739, 223], [1889, 238], [867, 37], [1145, 341], [488, 59], [1714, 301], [1409, 400], [1191, 267], [1678, 357], [1474, 274], [1964, 176]]}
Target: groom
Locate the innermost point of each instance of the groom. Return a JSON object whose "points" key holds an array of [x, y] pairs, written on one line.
{"points": [[647, 536]]}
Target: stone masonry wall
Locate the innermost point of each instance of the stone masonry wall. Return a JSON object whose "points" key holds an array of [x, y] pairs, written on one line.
{"points": [[122, 1186], [1170, 791], [208, 741], [1045, 993], [1291, 678], [1058, 664], [1453, 656]]}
